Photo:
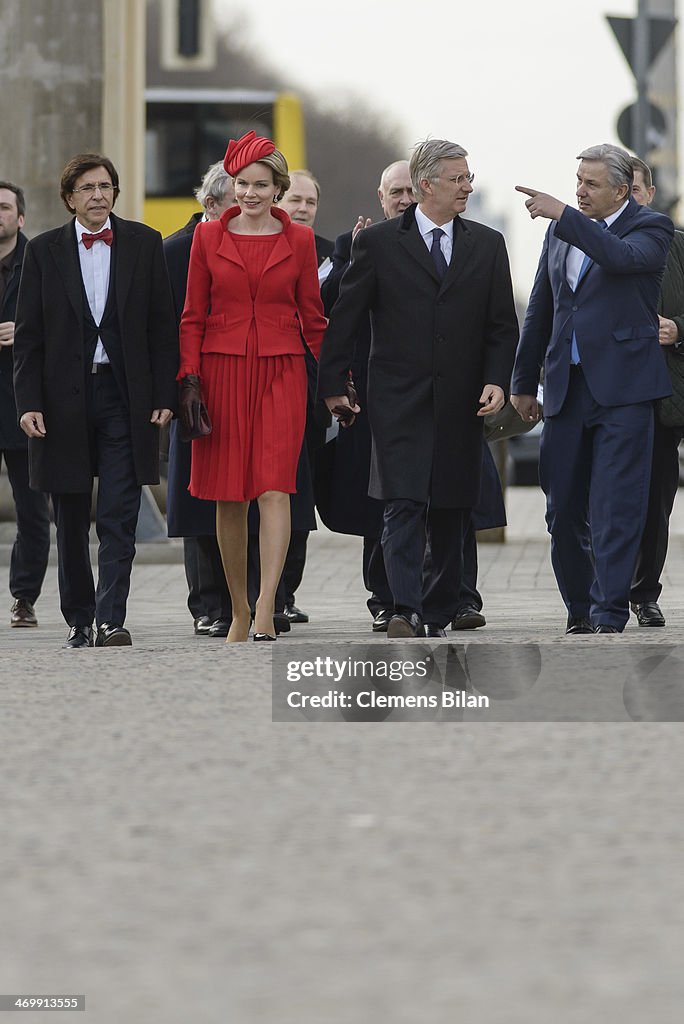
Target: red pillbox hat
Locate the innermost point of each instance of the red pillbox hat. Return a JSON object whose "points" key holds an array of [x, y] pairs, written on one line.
{"points": [[250, 148]]}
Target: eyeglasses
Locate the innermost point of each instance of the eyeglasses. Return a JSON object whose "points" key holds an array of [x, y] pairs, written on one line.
{"points": [[460, 178], [105, 188]]}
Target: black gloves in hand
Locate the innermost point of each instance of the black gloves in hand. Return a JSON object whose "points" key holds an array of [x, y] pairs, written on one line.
{"points": [[342, 413], [192, 412]]}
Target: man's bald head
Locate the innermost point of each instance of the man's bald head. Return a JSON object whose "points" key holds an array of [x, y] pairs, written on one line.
{"points": [[395, 191]]}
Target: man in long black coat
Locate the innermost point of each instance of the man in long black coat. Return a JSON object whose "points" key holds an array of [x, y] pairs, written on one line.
{"points": [[444, 333], [646, 585], [95, 359], [343, 466], [31, 547]]}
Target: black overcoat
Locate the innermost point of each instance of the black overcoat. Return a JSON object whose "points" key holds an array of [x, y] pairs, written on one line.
{"points": [[12, 437], [343, 464], [434, 346], [49, 371]]}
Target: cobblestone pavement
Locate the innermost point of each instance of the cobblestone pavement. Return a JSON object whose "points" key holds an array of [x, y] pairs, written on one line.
{"points": [[170, 852]]}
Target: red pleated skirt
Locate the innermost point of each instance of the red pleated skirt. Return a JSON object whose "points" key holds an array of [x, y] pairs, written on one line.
{"points": [[257, 407]]}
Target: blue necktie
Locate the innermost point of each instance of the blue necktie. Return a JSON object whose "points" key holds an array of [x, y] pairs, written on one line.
{"points": [[437, 254], [574, 351]]}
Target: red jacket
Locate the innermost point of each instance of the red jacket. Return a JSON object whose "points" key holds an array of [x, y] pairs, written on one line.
{"points": [[219, 309]]}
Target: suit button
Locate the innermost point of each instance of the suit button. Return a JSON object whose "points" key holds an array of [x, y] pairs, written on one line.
{"points": [[439, 338], [574, 309], [76, 391]]}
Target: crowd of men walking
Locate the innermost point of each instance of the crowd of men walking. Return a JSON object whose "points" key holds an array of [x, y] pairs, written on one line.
{"points": [[421, 318]]}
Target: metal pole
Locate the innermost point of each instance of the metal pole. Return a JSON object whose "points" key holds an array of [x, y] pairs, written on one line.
{"points": [[641, 61]]}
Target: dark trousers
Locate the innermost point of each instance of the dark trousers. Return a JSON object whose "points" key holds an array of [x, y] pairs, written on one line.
{"points": [[207, 588], [31, 548], [594, 467], [469, 596], [646, 585], [295, 560], [429, 586], [118, 504], [375, 577]]}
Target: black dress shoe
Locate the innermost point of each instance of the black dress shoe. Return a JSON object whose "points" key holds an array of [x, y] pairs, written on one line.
{"points": [[202, 625], [468, 617], [219, 627], [112, 636], [382, 620], [281, 623], [258, 637], [578, 624], [404, 624], [295, 614], [605, 628], [649, 614], [436, 632], [79, 636], [23, 613]]}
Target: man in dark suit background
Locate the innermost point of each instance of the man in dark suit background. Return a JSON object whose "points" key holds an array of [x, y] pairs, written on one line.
{"points": [[301, 202], [95, 359], [191, 518], [592, 323], [646, 585], [31, 547], [444, 330], [345, 462]]}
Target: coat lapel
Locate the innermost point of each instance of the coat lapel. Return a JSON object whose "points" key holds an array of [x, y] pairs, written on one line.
{"points": [[462, 247], [410, 239], [126, 246], [558, 260], [228, 250], [65, 255], [282, 250], [619, 227]]}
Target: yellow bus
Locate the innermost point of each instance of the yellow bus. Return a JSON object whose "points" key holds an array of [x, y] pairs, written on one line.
{"points": [[188, 129]]}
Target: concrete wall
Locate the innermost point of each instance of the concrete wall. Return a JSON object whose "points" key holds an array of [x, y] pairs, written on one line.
{"points": [[51, 86]]}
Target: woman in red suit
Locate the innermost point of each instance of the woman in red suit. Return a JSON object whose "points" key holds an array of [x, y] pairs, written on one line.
{"points": [[252, 296]]}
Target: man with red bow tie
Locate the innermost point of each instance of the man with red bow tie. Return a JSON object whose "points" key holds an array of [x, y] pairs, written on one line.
{"points": [[95, 359]]}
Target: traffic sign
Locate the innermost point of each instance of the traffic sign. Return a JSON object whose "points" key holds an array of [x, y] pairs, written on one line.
{"points": [[656, 127], [659, 31]]}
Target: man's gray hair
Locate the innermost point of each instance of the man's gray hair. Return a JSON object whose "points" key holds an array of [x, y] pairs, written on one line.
{"points": [[617, 160], [213, 184], [426, 161]]}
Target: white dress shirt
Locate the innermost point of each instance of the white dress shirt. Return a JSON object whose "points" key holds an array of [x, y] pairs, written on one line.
{"points": [[95, 263], [426, 227], [573, 264]]}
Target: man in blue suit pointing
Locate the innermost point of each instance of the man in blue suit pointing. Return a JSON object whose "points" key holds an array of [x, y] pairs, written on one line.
{"points": [[592, 324]]}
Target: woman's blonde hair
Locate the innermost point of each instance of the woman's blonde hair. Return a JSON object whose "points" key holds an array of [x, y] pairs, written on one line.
{"points": [[278, 164]]}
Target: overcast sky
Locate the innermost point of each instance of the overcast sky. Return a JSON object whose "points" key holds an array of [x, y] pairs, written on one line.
{"points": [[524, 86]]}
